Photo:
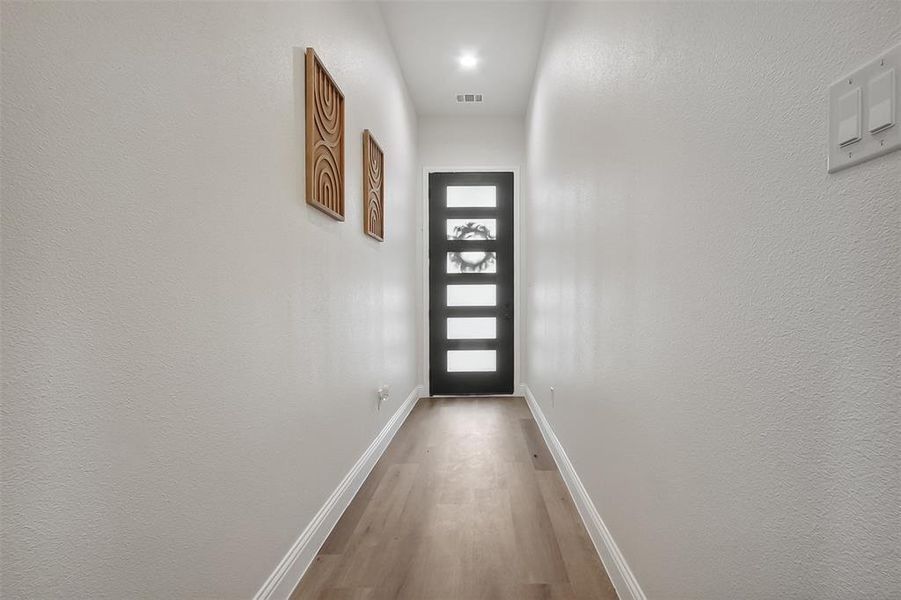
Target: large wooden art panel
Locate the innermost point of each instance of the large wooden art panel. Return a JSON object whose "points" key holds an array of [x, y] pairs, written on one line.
{"points": [[324, 139], [373, 188]]}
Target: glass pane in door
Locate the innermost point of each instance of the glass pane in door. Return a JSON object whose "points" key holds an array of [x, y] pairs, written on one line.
{"points": [[474, 196], [471, 361], [471, 229], [471, 328], [472, 261], [472, 295]]}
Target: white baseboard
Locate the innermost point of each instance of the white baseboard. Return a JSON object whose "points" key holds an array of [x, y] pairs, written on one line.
{"points": [[289, 571], [621, 575]]}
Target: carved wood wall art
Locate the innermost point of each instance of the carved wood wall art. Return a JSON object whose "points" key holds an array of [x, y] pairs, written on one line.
{"points": [[373, 188], [324, 148]]}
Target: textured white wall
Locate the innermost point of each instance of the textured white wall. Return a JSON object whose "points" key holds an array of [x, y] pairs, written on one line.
{"points": [[471, 141], [190, 353], [720, 317]]}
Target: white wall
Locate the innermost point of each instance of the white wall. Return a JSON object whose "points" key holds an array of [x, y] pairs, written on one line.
{"points": [[190, 353], [719, 316], [471, 141]]}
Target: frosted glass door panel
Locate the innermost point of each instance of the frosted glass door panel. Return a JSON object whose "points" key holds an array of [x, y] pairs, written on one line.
{"points": [[471, 196], [471, 229], [472, 295], [472, 261], [471, 328], [471, 361]]}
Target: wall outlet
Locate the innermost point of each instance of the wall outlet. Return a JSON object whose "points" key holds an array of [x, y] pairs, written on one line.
{"points": [[553, 397], [384, 393]]}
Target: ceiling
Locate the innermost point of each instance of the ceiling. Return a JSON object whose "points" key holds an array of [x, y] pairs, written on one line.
{"points": [[429, 37]]}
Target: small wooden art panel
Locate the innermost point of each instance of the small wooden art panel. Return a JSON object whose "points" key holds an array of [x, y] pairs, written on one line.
{"points": [[324, 147], [373, 188]]}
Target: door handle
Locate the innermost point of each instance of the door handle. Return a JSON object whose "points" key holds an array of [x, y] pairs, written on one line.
{"points": [[507, 312]]}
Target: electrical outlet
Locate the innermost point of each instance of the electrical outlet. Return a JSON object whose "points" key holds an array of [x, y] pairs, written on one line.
{"points": [[384, 392], [553, 397]]}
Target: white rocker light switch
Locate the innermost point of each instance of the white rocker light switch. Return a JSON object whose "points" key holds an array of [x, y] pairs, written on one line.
{"points": [[849, 118], [881, 92]]}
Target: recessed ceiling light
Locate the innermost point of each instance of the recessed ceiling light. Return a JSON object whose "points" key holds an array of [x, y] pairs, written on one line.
{"points": [[468, 61]]}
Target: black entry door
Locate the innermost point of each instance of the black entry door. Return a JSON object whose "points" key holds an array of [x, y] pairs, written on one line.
{"points": [[471, 283]]}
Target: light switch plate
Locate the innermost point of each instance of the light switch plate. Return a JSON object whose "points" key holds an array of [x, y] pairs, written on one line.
{"points": [[874, 88]]}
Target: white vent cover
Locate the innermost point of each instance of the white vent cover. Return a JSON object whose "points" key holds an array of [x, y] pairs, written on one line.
{"points": [[468, 98]]}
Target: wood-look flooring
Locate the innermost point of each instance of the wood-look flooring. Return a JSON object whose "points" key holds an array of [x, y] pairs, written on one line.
{"points": [[465, 504]]}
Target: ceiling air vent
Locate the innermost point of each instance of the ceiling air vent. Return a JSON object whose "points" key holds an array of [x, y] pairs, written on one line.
{"points": [[469, 98]]}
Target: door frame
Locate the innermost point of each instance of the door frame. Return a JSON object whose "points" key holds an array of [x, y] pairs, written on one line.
{"points": [[517, 267]]}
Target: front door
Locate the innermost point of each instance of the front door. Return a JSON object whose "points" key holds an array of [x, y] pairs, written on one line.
{"points": [[471, 283]]}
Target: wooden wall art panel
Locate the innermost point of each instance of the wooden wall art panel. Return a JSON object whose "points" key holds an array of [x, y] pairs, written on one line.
{"points": [[373, 188], [324, 148]]}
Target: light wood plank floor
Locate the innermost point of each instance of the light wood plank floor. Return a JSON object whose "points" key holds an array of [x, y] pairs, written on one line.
{"points": [[465, 504]]}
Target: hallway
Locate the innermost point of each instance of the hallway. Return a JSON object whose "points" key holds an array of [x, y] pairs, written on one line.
{"points": [[465, 504], [450, 300]]}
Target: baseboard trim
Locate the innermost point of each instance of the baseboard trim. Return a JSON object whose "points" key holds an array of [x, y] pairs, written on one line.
{"points": [[295, 563], [621, 575]]}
